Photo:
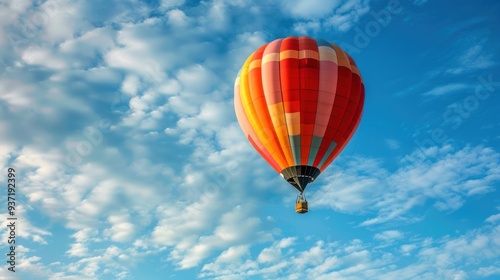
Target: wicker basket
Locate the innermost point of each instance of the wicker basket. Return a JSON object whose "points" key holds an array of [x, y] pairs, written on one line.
{"points": [[301, 207]]}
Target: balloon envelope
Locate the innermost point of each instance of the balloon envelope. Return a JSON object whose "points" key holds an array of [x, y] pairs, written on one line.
{"points": [[299, 101]]}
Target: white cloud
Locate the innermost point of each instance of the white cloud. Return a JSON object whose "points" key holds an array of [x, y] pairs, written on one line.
{"points": [[307, 27], [45, 57], [197, 78], [445, 89], [487, 271], [178, 228], [347, 15], [407, 249], [393, 144], [273, 253], [137, 193], [122, 230], [232, 254], [84, 235], [269, 255], [84, 52], [312, 257], [10, 14], [336, 15], [493, 218], [236, 227], [65, 19], [446, 258], [16, 94], [177, 18], [165, 4], [78, 250], [287, 242], [130, 85], [308, 8], [440, 174], [22, 226], [389, 235], [473, 59], [32, 265]]}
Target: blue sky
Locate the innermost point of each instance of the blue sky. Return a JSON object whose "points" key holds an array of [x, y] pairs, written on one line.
{"points": [[118, 118]]}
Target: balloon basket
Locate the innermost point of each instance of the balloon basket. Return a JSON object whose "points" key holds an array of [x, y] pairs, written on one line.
{"points": [[301, 207]]}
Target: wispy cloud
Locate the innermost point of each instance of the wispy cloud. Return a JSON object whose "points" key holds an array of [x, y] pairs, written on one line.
{"points": [[333, 15], [393, 144], [439, 174], [466, 57], [389, 235], [474, 58], [445, 89], [443, 258], [309, 9], [120, 123]]}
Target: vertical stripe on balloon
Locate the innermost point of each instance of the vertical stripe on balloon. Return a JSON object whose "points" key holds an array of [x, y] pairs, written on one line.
{"points": [[309, 84], [290, 92], [253, 106], [248, 130], [272, 92]]}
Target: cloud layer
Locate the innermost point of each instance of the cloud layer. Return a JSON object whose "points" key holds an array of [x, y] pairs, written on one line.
{"points": [[118, 119]]}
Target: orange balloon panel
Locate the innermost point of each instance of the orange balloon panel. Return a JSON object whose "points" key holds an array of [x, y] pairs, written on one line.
{"points": [[299, 101]]}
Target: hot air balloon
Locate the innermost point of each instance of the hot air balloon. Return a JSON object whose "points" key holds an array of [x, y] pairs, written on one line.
{"points": [[299, 101]]}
